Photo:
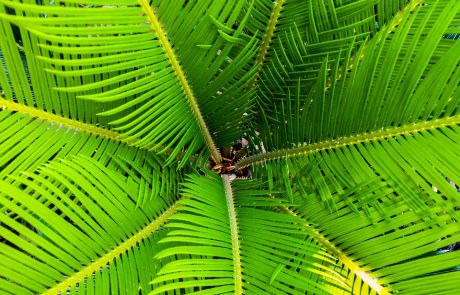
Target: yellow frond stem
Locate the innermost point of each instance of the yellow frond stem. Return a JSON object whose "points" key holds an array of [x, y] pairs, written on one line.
{"points": [[237, 273], [61, 288], [267, 39], [156, 26], [39, 114], [345, 260], [348, 141]]}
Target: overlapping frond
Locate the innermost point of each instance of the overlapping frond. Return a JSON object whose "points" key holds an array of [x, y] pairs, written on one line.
{"points": [[403, 252], [296, 36], [215, 48], [360, 185], [254, 249], [379, 162], [357, 279], [404, 75], [30, 138], [144, 69], [382, 116], [371, 151], [354, 146], [75, 224]]}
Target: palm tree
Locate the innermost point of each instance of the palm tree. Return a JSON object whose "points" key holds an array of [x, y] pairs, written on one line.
{"points": [[229, 147]]}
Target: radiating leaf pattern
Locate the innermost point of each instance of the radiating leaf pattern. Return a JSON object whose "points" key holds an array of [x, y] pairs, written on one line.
{"points": [[124, 60], [125, 127]]}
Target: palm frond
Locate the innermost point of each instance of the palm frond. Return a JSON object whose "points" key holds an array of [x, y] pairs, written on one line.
{"points": [[367, 174], [30, 138], [298, 35], [255, 250], [372, 97], [373, 155], [358, 280], [350, 108], [152, 78], [364, 134], [358, 192], [75, 224], [403, 252]]}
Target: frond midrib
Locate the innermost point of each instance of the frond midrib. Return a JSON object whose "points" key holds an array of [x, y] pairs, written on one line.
{"points": [[174, 61], [267, 39], [237, 272], [145, 232], [337, 143], [53, 118], [344, 259]]}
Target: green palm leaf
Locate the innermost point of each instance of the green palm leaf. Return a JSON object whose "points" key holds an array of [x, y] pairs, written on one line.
{"points": [[77, 222], [301, 34], [380, 159], [377, 106], [27, 142], [128, 60], [255, 250], [342, 114], [405, 251], [372, 94]]}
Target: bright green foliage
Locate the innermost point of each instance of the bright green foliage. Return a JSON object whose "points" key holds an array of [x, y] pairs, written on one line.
{"points": [[89, 210], [113, 112], [272, 245]]}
